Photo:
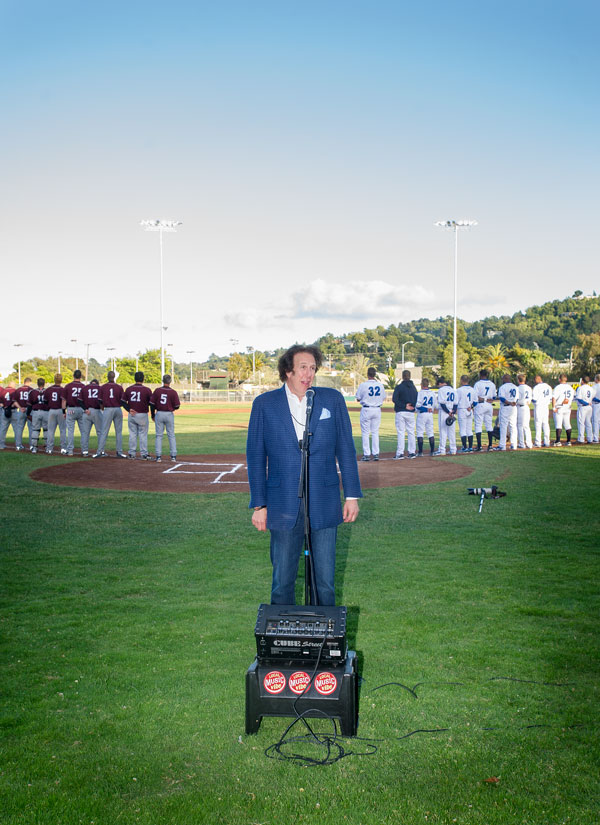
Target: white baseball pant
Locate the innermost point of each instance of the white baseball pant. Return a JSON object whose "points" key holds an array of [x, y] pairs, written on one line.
{"points": [[483, 414], [562, 417], [447, 433], [523, 428], [584, 424], [405, 425], [542, 427], [596, 421], [507, 422], [425, 424], [370, 421], [465, 422]]}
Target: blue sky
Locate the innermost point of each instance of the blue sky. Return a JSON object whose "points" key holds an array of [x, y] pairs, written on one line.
{"points": [[308, 148]]}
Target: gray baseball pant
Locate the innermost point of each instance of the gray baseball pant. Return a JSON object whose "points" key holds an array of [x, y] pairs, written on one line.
{"points": [[74, 414], [165, 421], [4, 425], [39, 421], [90, 417], [19, 418], [112, 415], [138, 431], [56, 419]]}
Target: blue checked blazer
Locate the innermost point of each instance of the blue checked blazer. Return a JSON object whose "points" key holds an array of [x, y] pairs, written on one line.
{"points": [[274, 459]]}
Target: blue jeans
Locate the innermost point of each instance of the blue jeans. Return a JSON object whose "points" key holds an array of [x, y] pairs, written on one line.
{"points": [[286, 546]]}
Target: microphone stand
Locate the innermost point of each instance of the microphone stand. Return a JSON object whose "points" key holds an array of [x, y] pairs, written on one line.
{"points": [[310, 591]]}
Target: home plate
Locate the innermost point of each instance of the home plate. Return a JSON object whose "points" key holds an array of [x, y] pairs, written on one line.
{"points": [[218, 470]]}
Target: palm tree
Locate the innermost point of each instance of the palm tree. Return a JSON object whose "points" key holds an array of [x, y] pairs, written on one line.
{"points": [[494, 360]]}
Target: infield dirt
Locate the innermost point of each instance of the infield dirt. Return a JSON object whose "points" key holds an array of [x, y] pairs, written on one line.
{"points": [[227, 473]]}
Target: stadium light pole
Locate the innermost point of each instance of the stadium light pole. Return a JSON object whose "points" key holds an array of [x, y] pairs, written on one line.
{"points": [[190, 352], [403, 345], [455, 226], [170, 354], [112, 358], [74, 341], [19, 360], [59, 354], [87, 358], [161, 226]]}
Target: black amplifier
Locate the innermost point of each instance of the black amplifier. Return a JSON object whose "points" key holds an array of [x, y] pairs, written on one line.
{"points": [[297, 632]]}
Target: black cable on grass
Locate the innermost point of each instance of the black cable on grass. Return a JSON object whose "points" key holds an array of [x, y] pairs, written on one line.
{"points": [[413, 690], [421, 730], [335, 751], [398, 684], [530, 681]]}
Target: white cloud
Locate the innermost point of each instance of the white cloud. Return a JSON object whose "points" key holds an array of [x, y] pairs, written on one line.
{"points": [[353, 301], [360, 300]]}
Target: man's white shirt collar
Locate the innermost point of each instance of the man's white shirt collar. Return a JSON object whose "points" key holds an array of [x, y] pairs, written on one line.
{"points": [[297, 411]]}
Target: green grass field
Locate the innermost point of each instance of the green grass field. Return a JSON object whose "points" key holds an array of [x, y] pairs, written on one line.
{"points": [[127, 628]]}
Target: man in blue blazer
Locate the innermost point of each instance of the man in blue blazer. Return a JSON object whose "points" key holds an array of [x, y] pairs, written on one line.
{"points": [[274, 463]]}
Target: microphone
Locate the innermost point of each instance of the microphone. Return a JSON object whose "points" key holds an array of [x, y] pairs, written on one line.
{"points": [[310, 397]]}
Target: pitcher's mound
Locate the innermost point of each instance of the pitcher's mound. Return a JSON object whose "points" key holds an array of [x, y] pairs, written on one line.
{"points": [[227, 473]]}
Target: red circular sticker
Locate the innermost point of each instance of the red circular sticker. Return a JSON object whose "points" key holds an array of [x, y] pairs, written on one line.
{"points": [[299, 681], [325, 683], [274, 681]]}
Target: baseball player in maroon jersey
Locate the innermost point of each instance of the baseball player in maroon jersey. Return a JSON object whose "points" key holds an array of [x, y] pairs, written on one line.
{"points": [[92, 414], [20, 399], [37, 413], [136, 401], [163, 404], [6, 410], [111, 395], [73, 404], [54, 396]]}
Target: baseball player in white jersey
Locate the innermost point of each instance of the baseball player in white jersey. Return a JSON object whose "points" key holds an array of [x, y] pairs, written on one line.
{"points": [[466, 398], [562, 398], [524, 413], [370, 395], [596, 409], [447, 405], [541, 397], [583, 397], [425, 406], [485, 392], [508, 394]]}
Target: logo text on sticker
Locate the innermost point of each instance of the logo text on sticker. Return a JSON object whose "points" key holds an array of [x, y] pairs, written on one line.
{"points": [[325, 683], [299, 681], [274, 681]]}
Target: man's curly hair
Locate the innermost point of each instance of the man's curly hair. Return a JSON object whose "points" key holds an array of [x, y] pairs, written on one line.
{"points": [[286, 361]]}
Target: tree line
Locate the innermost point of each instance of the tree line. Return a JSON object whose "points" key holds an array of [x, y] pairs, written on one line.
{"points": [[541, 339]]}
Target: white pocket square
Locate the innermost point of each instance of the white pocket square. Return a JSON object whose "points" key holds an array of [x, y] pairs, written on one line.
{"points": [[325, 414]]}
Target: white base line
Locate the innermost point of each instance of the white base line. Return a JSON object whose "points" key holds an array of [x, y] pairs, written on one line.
{"points": [[219, 475]]}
